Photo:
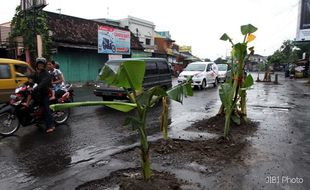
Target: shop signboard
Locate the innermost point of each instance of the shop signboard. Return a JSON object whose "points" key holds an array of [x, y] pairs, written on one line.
{"points": [[113, 41]]}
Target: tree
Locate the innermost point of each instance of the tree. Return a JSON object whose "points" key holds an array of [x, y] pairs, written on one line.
{"points": [[286, 54], [220, 61], [28, 24]]}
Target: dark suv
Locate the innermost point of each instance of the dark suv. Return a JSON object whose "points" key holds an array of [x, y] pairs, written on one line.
{"points": [[157, 73]]}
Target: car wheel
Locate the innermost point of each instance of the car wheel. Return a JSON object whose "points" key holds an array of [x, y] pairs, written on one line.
{"points": [[203, 85], [215, 82]]}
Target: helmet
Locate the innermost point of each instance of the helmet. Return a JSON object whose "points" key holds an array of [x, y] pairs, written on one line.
{"points": [[41, 60]]}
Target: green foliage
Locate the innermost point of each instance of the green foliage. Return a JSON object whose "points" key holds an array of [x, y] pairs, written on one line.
{"points": [[120, 106], [28, 24], [234, 91], [220, 61], [151, 96], [302, 47], [236, 119], [249, 81], [119, 79], [248, 29], [177, 93], [129, 76], [240, 51], [226, 93], [225, 37], [286, 54]]}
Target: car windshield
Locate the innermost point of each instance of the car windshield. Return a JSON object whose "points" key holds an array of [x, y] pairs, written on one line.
{"points": [[195, 67], [222, 67]]}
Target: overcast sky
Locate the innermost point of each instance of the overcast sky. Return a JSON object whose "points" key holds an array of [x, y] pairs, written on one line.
{"points": [[198, 23]]}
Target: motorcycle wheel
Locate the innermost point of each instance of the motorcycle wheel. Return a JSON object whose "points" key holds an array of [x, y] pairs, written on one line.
{"points": [[9, 124], [61, 116], [113, 49]]}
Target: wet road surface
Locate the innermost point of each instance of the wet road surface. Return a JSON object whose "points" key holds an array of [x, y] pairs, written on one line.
{"points": [[79, 151]]}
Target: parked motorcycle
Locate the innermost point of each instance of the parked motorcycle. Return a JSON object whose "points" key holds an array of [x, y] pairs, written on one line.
{"points": [[16, 112]]}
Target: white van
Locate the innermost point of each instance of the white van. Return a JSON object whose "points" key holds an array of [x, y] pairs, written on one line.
{"points": [[202, 73]]}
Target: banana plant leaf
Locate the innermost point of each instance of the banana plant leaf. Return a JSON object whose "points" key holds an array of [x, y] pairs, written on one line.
{"points": [[248, 82], [133, 121], [236, 119], [133, 69], [148, 97], [240, 50], [120, 106], [181, 90], [226, 94], [247, 29], [225, 37]]}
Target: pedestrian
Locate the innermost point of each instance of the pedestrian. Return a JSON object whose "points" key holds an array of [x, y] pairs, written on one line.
{"points": [[41, 92]]}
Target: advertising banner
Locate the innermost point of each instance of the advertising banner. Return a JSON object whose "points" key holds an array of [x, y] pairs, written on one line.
{"points": [[305, 15], [303, 29], [113, 41]]}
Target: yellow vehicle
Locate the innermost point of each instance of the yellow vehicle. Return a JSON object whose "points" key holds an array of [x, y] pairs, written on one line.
{"points": [[12, 74]]}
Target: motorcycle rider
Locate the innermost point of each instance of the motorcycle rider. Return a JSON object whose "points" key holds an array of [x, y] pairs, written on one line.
{"points": [[41, 92]]}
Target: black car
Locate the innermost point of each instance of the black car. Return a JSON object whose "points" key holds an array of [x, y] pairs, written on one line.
{"points": [[157, 73]]}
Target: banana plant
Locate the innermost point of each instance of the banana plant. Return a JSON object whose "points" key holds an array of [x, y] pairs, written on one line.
{"points": [[129, 76], [233, 93]]}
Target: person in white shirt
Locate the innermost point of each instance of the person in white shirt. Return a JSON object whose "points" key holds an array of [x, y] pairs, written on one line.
{"points": [[58, 81]]}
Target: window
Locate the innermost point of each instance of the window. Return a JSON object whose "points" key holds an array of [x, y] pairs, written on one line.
{"points": [[148, 41], [209, 67], [151, 68], [162, 67], [214, 67], [21, 70], [222, 67], [195, 67], [5, 72]]}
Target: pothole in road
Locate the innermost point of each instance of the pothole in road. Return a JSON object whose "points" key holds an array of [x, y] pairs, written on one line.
{"points": [[100, 163], [281, 108]]}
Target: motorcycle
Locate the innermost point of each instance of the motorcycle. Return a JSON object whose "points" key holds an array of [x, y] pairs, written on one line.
{"points": [[16, 112], [108, 44]]}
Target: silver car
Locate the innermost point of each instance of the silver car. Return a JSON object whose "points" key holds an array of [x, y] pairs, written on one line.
{"points": [[222, 70]]}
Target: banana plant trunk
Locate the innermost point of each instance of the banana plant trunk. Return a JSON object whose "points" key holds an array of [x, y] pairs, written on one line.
{"points": [[242, 92], [221, 110], [228, 110], [146, 164], [164, 118], [243, 105], [145, 156], [227, 122]]}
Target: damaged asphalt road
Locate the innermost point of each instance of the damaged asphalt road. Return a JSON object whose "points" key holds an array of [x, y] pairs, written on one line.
{"points": [[80, 151]]}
